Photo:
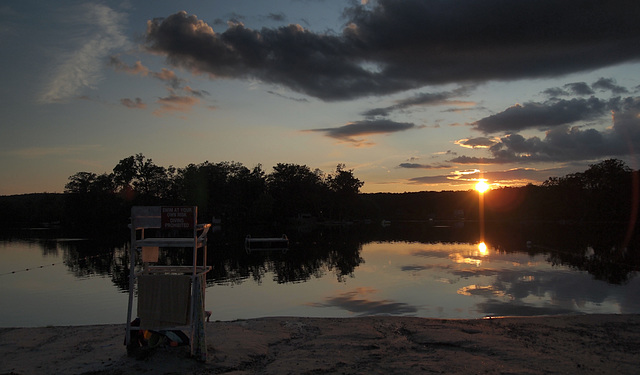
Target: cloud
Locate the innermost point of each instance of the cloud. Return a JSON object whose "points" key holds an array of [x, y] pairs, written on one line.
{"points": [[516, 176], [165, 75], [543, 115], [463, 159], [168, 76], [579, 88], [194, 92], [423, 166], [423, 99], [570, 143], [175, 103], [302, 100], [455, 178], [609, 84], [172, 103], [347, 132], [121, 66], [478, 142], [575, 88], [134, 104], [81, 68], [583, 89], [392, 46]]}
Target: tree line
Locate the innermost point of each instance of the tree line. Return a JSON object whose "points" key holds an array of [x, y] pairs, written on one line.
{"points": [[606, 192], [226, 190]]}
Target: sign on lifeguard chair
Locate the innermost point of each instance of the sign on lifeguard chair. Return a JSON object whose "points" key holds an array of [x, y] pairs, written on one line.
{"points": [[178, 217]]}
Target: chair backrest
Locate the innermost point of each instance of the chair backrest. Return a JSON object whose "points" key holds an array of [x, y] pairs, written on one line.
{"points": [[164, 217]]}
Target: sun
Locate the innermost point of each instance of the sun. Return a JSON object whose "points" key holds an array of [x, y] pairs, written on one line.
{"points": [[482, 186]]}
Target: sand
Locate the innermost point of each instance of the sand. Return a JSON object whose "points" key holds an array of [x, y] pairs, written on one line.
{"points": [[584, 344]]}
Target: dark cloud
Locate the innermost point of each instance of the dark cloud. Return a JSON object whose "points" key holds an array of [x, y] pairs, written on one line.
{"points": [[423, 166], [579, 88], [423, 99], [302, 100], [478, 142], [555, 92], [571, 143], [575, 88], [609, 84], [347, 132], [543, 115], [463, 159], [400, 45]]}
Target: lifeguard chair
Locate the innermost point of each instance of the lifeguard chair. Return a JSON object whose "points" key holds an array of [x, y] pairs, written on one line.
{"points": [[169, 297]]}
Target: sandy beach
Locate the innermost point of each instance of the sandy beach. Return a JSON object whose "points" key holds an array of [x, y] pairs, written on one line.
{"points": [[588, 344]]}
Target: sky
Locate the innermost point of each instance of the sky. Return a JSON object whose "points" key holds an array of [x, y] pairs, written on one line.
{"points": [[411, 95]]}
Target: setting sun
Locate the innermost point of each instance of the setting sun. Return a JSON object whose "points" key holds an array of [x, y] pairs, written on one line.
{"points": [[482, 186]]}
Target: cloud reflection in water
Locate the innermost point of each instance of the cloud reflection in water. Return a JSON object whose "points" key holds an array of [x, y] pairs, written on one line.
{"points": [[357, 301], [502, 283]]}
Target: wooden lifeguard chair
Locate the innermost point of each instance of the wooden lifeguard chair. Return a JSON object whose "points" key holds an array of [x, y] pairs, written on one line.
{"points": [[169, 297]]}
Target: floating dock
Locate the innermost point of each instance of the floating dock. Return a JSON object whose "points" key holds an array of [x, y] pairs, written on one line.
{"points": [[266, 244]]}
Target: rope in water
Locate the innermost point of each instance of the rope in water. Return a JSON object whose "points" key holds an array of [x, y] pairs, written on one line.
{"points": [[51, 265]]}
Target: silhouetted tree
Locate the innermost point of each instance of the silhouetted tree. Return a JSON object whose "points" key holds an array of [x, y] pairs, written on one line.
{"points": [[142, 176], [91, 202], [346, 189], [124, 173], [296, 189], [225, 190], [601, 193]]}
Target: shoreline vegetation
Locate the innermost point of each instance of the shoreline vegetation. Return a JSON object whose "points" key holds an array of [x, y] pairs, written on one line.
{"points": [[607, 192], [572, 344]]}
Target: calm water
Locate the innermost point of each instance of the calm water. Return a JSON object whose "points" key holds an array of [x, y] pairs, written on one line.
{"points": [[76, 281]]}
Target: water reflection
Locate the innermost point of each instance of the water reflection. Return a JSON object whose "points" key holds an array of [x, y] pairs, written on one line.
{"points": [[337, 250], [363, 301], [482, 248], [507, 283], [423, 269], [310, 255], [83, 257]]}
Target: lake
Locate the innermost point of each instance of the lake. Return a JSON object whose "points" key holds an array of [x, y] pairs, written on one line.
{"points": [[434, 270]]}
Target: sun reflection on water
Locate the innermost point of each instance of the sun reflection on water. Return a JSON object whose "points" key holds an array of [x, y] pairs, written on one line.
{"points": [[482, 248]]}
